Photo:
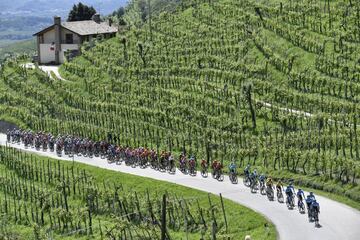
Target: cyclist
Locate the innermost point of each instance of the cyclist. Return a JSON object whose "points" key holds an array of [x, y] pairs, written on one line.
{"points": [[247, 170], [290, 190], [252, 178], [192, 162], [311, 195], [183, 161], [315, 206], [204, 164], [269, 182], [171, 160], [255, 174], [309, 199], [301, 196], [279, 186], [218, 167], [262, 179], [214, 164], [232, 167]]}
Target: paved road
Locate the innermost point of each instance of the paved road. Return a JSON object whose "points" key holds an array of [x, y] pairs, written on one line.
{"points": [[338, 220], [47, 69]]}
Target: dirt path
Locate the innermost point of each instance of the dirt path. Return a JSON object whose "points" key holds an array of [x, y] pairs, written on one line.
{"points": [[47, 69]]}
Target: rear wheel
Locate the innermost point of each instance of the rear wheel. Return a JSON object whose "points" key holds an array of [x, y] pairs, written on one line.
{"points": [[204, 173], [246, 181], [233, 178], [280, 196], [316, 218], [220, 176]]}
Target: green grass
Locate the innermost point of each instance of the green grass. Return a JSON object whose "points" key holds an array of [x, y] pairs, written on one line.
{"points": [[241, 220]]}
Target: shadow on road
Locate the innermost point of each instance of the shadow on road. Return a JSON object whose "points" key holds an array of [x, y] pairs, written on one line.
{"points": [[4, 126]]}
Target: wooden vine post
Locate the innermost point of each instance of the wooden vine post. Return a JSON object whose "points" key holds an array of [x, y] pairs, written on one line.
{"points": [[163, 219], [223, 209]]}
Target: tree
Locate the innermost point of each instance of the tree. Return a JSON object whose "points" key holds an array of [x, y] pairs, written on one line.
{"points": [[81, 12], [119, 13]]}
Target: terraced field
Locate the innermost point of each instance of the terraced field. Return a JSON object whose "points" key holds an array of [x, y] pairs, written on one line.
{"points": [[270, 83]]}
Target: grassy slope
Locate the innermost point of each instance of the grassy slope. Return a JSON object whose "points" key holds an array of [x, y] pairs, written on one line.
{"points": [[179, 94], [241, 220]]}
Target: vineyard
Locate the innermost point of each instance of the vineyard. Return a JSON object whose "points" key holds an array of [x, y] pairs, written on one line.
{"points": [[272, 83], [48, 198]]}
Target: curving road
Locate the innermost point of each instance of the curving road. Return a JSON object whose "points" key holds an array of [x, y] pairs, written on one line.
{"points": [[337, 220]]}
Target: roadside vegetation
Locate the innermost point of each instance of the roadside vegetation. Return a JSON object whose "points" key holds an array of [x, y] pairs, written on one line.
{"points": [[220, 80], [42, 198]]}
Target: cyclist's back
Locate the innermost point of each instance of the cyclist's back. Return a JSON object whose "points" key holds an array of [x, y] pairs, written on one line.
{"points": [[300, 194], [289, 190], [232, 167], [269, 182], [315, 206]]}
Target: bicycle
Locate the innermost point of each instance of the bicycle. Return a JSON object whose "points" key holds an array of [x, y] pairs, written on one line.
{"points": [[233, 177]]}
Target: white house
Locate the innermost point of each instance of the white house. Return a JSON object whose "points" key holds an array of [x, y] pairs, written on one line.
{"points": [[55, 40]]}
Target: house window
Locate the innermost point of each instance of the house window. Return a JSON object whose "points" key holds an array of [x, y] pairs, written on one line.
{"points": [[69, 38]]}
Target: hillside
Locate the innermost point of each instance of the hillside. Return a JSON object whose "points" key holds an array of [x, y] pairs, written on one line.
{"points": [[74, 201], [20, 47], [49, 8], [267, 83]]}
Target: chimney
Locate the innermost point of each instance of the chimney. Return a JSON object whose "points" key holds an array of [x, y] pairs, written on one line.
{"points": [[110, 22], [57, 20], [96, 18], [57, 28]]}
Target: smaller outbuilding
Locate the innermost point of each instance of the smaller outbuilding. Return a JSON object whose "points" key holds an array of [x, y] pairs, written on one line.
{"points": [[55, 40]]}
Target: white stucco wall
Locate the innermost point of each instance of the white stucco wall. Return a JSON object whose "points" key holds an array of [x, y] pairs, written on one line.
{"points": [[46, 55]]}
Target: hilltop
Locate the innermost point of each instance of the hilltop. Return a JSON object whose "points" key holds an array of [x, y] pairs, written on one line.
{"points": [[267, 83]]}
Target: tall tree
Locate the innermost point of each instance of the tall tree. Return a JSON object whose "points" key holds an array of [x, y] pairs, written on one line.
{"points": [[81, 12], [119, 13]]}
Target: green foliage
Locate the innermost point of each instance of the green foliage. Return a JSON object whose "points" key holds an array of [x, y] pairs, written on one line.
{"points": [[50, 199], [180, 84], [81, 12]]}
